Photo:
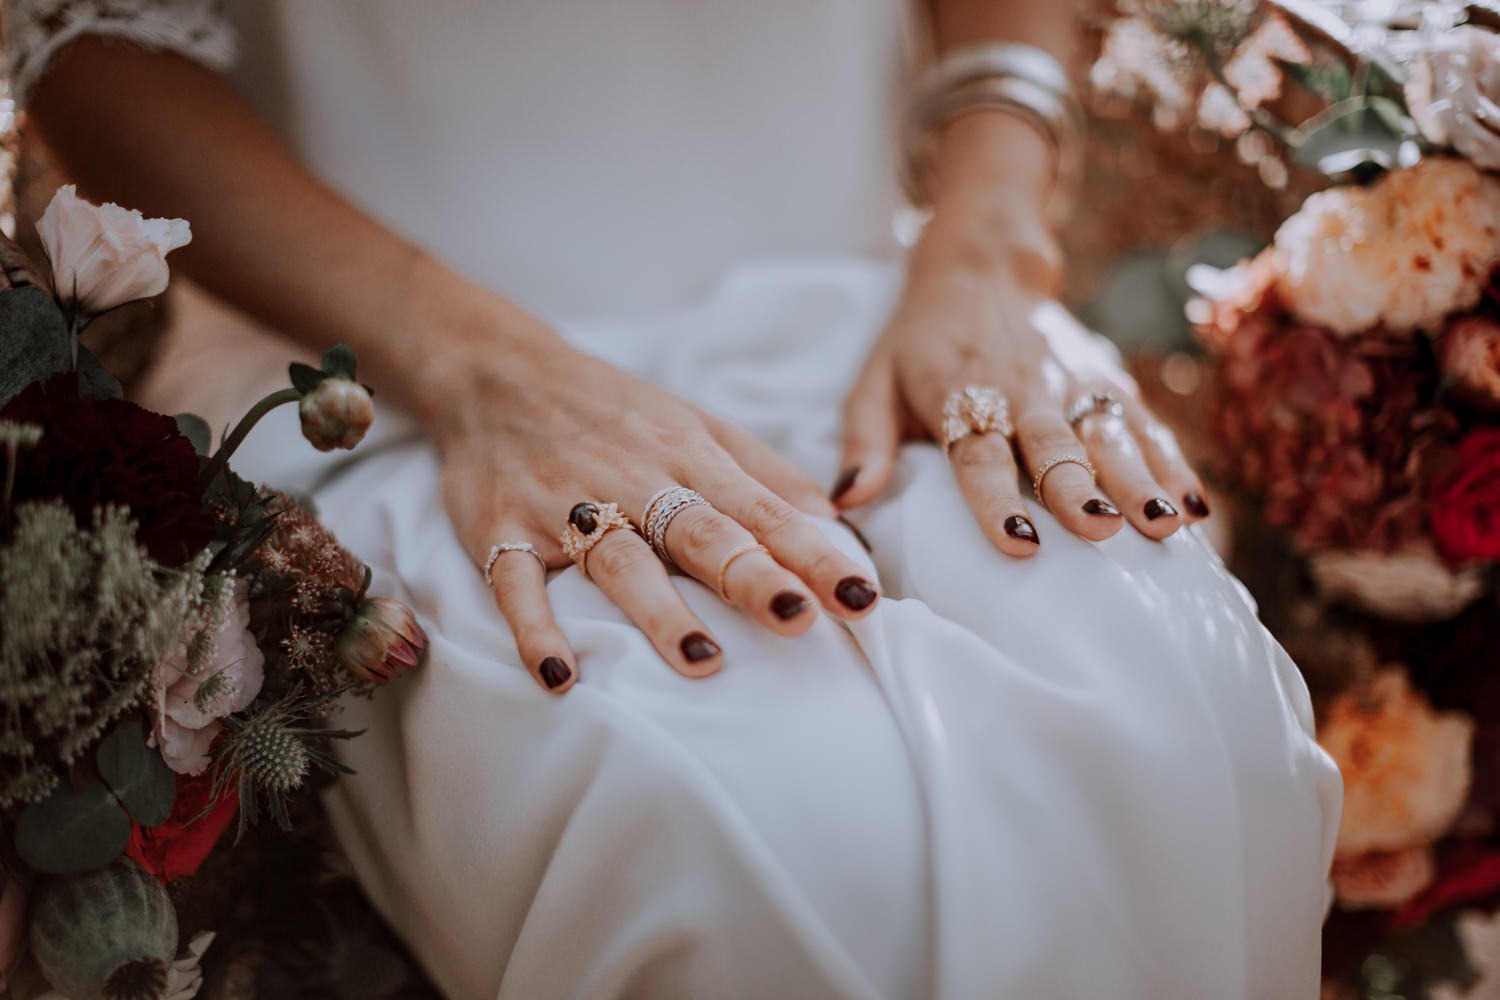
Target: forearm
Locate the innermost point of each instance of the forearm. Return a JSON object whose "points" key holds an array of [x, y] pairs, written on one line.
{"points": [[161, 134], [993, 171]]}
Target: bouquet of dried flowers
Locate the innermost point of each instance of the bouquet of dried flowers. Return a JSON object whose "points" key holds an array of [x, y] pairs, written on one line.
{"points": [[174, 640], [1355, 410]]}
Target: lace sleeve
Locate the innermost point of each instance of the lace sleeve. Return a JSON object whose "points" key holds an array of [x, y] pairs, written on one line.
{"points": [[36, 29]]}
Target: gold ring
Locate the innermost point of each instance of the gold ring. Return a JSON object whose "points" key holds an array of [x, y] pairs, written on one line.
{"points": [[977, 409], [588, 523], [743, 550], [1054, 462]]}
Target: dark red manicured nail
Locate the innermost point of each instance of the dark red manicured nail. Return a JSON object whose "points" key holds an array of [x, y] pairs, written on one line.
{"points": [[1020, 527], [789, 604], [845, 483], [855, 593], [1100, 508], [1196, 505], [1158, 507], [555, 672], [697, 646]]}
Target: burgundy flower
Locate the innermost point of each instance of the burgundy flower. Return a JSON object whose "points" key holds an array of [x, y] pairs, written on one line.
{"points": [[1466, 506], [109, 451]]}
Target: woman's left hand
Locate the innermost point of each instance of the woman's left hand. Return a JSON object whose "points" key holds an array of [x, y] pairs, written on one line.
{"points": [[966, 319]]}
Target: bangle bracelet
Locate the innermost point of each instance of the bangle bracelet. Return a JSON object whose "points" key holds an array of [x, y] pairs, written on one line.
{"points": [[1017, 79]]}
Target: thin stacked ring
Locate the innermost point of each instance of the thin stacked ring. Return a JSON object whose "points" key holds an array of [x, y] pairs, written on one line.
{"points": [[661, 509]]}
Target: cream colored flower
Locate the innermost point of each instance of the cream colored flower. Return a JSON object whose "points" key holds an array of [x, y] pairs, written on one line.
{"points": [[104, 256], [1405, 766], [1407, 252], [336, 414], [1411, 585], [1469, 352], [191, 698], [1452, 89], [1382, 880], [1479, 934], [1255, 71]]}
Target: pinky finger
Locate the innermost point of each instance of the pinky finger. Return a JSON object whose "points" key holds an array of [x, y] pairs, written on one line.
{"points": [[520, 589]]}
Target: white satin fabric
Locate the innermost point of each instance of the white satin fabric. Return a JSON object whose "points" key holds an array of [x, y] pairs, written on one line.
{"points": [[1085, 774]]}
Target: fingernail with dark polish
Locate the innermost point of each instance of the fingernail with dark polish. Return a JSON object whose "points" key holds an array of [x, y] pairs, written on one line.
{"points": [[859, 536], [1017, 526], [1157, 507], [1100, 508], [555, 672], [854, 593], [698, 646], [1195, 504], [844, 484], [789, 604]]}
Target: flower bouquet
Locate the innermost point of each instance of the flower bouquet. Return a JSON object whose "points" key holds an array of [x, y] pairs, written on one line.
{"points": [[1355, 413], [174, 640]]}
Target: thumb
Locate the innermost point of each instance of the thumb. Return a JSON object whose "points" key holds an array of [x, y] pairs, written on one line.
{"points": [[872, 433]]}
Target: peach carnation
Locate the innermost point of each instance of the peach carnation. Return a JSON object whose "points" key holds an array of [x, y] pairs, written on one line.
{"points": [[1405, 766], [1404, 253], [1382, 880]]}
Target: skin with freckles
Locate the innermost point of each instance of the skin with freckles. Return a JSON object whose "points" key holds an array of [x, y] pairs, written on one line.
{"points": [[158, 133]]}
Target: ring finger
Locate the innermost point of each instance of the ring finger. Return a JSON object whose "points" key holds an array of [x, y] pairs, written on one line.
{"points": [[628, 572], [1125, 477], [1062, 475], [986, 472]]}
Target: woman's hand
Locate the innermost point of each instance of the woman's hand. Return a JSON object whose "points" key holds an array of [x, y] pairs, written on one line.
{"points": [[529, 434], [965, 318]]}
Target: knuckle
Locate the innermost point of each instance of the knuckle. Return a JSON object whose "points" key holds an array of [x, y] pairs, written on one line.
{"points": [[617, 556], [769, 515], [698, 530]]}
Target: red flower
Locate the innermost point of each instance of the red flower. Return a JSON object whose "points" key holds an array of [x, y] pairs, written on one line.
{"points": [[1465, 514], [108, 451], [178, 846]]}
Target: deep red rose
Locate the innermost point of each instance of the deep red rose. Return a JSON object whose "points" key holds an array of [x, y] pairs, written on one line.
{"points": [[1468, 874], [178, 847], [109, 451], [1465, 514]]}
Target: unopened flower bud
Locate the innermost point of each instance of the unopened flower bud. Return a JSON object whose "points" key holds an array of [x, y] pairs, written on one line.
{"points": [[336, 414], [381, 641]]}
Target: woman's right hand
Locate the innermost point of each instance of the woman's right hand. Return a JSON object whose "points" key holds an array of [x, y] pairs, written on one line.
{"points": [[532, 429]]}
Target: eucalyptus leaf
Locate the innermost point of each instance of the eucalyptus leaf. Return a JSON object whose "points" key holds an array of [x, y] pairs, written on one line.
{"points": [[34, 344], [1139, 305], [136, 773], [1356, 138], [338, 361], [196, 430], [71, 832], [94, 379], [305, 378]]}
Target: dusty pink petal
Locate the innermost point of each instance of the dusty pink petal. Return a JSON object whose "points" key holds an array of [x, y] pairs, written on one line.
{"points": [[103, 255], [186, 750]]}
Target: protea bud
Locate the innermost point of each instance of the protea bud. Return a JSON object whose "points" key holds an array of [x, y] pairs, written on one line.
{"points": [[382, 640], [336, 414]]}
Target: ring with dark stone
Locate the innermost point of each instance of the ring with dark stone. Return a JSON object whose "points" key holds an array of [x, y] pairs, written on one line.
{"points": [[584, 517]]}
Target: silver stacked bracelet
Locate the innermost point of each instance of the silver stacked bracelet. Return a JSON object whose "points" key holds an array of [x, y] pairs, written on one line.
{"points": [[1020, 79]]}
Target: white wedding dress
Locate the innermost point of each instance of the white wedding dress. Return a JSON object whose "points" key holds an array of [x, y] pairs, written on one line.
{"points": [[1086, 774]]}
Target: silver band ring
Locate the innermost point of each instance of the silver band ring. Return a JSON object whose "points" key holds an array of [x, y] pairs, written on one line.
{"points": [[496, 551], [661, 510], [1104, 402], [729, 560], [588, 523], [976, 409], [1054, 462]]}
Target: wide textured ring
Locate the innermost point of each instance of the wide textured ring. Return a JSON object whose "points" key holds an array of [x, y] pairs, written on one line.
{"points": [[588, 523], [1054, 462], [978, 409], [729, 560], [498, 550], [661, 509], [1091, 403]]}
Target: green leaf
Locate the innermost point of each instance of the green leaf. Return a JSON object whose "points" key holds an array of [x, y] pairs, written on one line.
{"points": [[196, 430], [137, 774], [94, 379], [339, 361], [1357, 137], [71, 832], [33, 339], [305, 378]]}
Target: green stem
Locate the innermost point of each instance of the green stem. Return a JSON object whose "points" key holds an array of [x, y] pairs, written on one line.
{"points": [[236, 437]]}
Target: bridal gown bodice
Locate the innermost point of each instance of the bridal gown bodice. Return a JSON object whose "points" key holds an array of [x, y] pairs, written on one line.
{"points": [[1088, 773], [604, 157]]}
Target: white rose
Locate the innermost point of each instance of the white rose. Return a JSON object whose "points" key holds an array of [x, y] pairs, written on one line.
{"points": [[104, 256], [1452, 91]]}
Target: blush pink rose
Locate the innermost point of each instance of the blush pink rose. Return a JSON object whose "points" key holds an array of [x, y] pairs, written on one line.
{"points": [[189, 703], [104, 256]]}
